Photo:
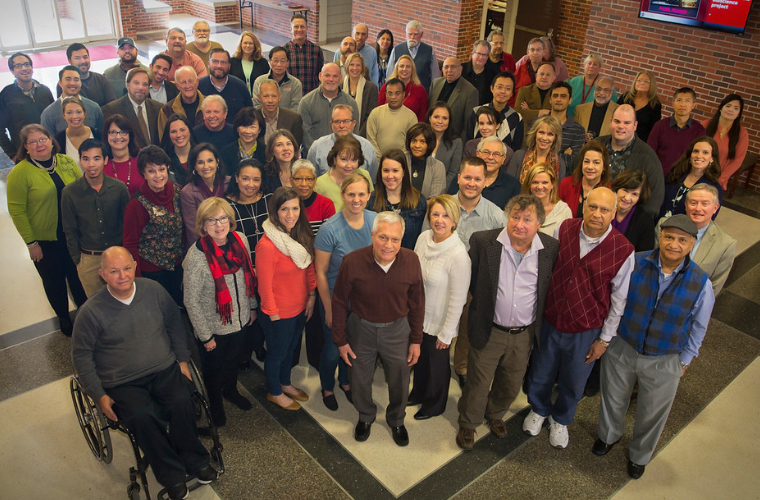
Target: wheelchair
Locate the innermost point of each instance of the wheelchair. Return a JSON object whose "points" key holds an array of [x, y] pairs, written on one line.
{"points": [[96, 429]]}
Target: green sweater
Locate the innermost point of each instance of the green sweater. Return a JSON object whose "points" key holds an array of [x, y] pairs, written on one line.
{"points": [[32, 199]]}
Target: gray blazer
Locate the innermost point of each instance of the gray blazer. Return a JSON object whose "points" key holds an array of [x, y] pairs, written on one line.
{"points": [[462, 100], [450, 157], [435, 176], [369, 102], [485, 254]]}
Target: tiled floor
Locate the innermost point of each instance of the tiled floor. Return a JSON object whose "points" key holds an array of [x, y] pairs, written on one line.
{"points": [[708, 449]]}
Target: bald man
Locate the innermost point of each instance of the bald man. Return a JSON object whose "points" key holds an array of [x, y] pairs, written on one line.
{"points": [[458, 93], [130, 350], [585, 302], [316, 107], [360, 34]]}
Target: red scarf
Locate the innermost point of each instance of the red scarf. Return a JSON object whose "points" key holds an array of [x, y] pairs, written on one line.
{"points": [[221, 263]]}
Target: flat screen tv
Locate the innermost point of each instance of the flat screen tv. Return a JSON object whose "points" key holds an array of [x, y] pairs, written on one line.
{"points": [[721, 15]]}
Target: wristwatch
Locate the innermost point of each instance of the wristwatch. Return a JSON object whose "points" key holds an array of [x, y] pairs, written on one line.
{"points": [[603, 342], [684, 365]]}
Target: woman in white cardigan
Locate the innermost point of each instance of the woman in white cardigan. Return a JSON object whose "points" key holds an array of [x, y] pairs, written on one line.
{"points": [[446, 273]]}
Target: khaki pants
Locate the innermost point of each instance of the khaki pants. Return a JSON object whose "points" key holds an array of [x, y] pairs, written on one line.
{"points": [[87, 269], [462, 344]]}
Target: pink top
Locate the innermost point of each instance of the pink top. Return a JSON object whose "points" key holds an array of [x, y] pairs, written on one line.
{"points": [[415, 99], [126, 172], [728, 167]]}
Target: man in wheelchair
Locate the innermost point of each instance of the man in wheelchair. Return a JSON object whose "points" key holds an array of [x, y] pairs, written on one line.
{"points": [[131, 353]]}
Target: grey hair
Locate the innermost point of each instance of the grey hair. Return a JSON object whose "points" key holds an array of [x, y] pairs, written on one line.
{"points": [[413, 25], [608, 78], [269, 81], [213, 98], [704, 187], [479, 43], [299, 164], [390, 218], [525, 201], [344, 107], [188, 69], [493, 138]]}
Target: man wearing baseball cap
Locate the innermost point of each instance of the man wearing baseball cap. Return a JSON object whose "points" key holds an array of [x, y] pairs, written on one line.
{"points": [[117, 74], [670, 300]]}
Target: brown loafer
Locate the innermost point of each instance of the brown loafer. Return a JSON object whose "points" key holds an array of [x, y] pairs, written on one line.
{"points": [[466, 438], [299, 395], [292, 406], [498, 427]]}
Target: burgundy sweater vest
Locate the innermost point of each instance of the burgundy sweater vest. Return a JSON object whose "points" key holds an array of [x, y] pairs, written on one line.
{"points": [[579, 291]]}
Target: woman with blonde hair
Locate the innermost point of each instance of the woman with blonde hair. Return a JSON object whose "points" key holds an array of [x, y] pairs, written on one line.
{"points": [[247, 63], [544, 141], [358, 85], [219, 283], [643, 97], [584, 85], [415, 96], [541, 182], [446, 275], [76, 131]]}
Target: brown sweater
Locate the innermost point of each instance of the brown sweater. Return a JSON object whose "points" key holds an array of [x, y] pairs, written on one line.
{"points": [[378, 296]]}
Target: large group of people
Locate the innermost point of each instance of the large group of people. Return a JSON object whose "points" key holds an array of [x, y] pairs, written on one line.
{"points": [[496, 206]]}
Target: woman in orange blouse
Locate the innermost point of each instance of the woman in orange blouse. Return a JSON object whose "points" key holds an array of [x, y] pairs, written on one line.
{"points": [[733, 140], [287, 287]]}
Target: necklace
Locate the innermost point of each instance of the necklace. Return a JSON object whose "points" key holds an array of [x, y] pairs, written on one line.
{"points": [[50, 169], [129, 170]]}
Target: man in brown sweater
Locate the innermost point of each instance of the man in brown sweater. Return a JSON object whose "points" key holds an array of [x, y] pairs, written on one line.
{"points": [[383, 318]]}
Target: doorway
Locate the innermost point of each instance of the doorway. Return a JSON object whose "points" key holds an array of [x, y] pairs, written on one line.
{"points": [[520, 21], [34, 24]]}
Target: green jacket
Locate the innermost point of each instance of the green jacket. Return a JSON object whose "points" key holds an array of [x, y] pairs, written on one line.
{"points": [[32, 199]]}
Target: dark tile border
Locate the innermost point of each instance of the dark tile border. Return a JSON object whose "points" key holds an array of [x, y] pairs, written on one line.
{"points": [[741, 209], [358, 482], [737, 312], [746, 261]]}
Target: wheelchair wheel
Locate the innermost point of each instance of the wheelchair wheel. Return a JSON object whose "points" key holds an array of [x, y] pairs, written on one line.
{"points": [[92, 422]]}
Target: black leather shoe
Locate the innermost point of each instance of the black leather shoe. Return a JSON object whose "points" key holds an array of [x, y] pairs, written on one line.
{"points": [[601, 448], [177, 491], [462, 378], [422, 416], [206, 475], [635, 470], [400, 436], [347, 392], [361, 432], [238, 400]]}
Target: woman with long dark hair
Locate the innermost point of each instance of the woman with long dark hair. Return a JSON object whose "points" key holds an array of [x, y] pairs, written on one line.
{"points": [[448, 145], [632, 188], [730, 135], [591, 170], [394, 192], [281, 152], [428, 175], [208, 179], [287, 286], [699, 164], [121, 149], [383, 46], [177, 141]]}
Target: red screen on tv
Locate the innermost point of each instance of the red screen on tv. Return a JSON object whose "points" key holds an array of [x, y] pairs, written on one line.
{"points": [[723, 15]]}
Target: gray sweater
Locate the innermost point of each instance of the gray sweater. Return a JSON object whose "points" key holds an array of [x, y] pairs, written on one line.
{"points": [[115, 343], [200, 297]]}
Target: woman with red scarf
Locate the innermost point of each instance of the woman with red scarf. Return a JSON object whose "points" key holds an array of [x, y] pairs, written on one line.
{"points": [[153, 223], [219, 293]]}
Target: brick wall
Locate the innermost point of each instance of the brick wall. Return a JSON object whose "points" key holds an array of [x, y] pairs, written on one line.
{"points": [[711, 62], [570, 37], [134, 19]]}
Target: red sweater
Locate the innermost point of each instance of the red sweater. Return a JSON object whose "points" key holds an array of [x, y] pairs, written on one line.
{"points": [[283, 287], [415, 99], [580, 289]]}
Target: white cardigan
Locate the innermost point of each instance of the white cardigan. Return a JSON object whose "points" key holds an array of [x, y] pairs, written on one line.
{"points": [[446, 272]]}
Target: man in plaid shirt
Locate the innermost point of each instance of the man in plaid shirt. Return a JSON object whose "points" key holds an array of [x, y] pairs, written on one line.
{"points": [[306, 59]]}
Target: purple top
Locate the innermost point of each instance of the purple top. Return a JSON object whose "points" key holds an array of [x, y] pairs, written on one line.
{"points": [[622, 226]]}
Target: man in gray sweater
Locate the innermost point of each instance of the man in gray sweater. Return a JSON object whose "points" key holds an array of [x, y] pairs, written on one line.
{"points": [[131, 354]]}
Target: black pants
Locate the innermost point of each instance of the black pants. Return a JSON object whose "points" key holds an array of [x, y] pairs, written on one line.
{"points": [[220, 370], [145, 406], [253, 340], [432, 376], [56, 269], [170, 280]]}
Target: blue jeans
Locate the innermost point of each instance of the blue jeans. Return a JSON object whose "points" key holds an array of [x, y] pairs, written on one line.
{"points": [[282, 337], [560, 357], [330, 358]]}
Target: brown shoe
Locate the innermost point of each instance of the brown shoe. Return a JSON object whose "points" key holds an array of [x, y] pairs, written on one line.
{"points": [[466, 438], [297, 394], [292, 406], [498, 427]]}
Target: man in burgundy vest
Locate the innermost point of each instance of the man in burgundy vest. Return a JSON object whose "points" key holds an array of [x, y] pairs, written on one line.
{"points": [[586, 299]]}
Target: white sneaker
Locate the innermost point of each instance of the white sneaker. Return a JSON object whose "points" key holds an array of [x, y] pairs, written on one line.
{"points": [[533, 423], [558, 436]]}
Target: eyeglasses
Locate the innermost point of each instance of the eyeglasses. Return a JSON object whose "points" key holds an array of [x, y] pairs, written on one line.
{"points": [[41, 140], [118, 133], [494, 154], [602, 90], [220, 220], [480, 54], [22, 65], [342, 122], [303, 179]]}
